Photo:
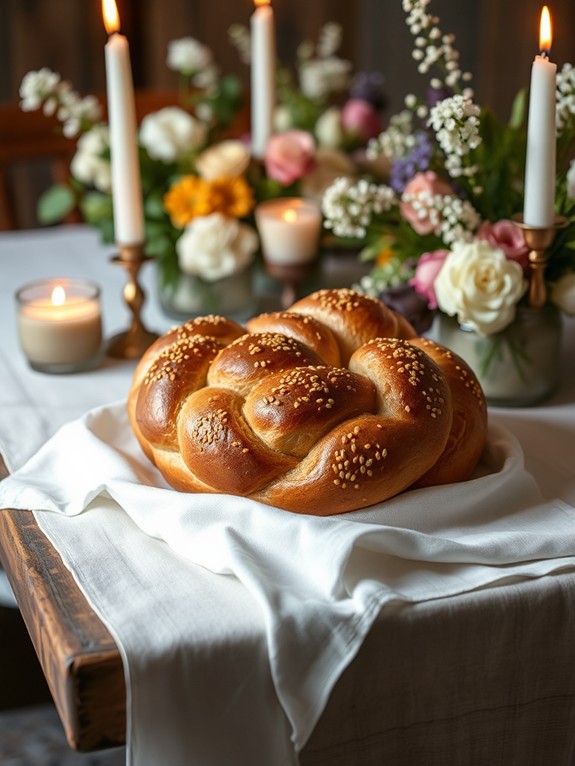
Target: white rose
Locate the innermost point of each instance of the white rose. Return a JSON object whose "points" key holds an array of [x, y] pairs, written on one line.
{"points": [[188, 55], [215, 246], [479, 285], [89, 165], [330, 164], [328, 128], [563, 294], [228, 158], [168, 134]]}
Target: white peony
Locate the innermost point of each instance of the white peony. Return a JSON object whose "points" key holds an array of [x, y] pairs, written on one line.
{"points": [[563, 294], [328, 128], [188, 55], [91, 164], [170, 133], [215, 246], [480, 285], [227, 158]]}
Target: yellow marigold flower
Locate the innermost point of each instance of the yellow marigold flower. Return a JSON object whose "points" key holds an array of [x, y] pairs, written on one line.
{"points": [[231, 196], [385, 256], [187, 199]]}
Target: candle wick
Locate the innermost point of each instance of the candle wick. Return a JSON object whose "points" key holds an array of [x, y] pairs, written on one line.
{"points": [[545, 53]]}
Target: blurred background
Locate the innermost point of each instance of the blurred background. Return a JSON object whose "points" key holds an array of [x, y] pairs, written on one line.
{"points": [[497, 40]]}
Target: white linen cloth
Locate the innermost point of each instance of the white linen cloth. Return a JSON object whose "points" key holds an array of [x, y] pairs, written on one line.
{"points": [[319, 583], [196, 644]]}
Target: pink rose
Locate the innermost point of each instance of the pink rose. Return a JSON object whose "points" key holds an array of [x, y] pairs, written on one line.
{"points": [[425, 185], [427, 269], [359, 118], [290, 155], [508, 237]]}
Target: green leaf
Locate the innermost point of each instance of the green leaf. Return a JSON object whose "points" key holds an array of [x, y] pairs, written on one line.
{"points": [[518, 110], [55, 204], [96, 207]]}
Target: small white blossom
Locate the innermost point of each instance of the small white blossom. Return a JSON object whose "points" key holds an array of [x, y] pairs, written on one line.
{"points": [[91, 164], [395, 142], [188, 56], [455, 121], [565, 109], [349, 207], [240, 38], [329, 39], [37, 87]]}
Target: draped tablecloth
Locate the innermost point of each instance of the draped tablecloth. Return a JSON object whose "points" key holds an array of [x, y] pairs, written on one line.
{"points": [[237, 666]]}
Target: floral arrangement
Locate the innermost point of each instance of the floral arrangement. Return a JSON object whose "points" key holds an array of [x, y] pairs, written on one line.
{"points": [[439, 231], [199, 182]]}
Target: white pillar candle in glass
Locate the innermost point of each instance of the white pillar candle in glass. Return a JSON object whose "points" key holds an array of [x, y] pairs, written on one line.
{"points": [[262, 76], [289, 230], [59, 324], [539, 202], [126, 182]]}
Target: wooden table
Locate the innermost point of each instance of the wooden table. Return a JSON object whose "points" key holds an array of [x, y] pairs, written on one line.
{"points": [[78, 655]]}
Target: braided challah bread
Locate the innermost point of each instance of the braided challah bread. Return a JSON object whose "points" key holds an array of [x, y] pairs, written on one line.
{"points": [[329, 407]]}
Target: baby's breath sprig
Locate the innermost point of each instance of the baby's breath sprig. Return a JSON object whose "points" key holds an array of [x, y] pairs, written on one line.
{"points": [[433, 48]]}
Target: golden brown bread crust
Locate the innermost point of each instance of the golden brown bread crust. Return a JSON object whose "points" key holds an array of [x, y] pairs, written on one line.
{"points": [[273, 415], [469, 424]]}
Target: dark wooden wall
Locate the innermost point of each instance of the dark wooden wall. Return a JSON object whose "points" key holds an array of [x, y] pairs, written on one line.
{"points": [[497, 39]]}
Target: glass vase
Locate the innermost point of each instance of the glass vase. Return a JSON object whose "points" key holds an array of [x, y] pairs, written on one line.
{"points": [[516, 367], [190, 296]]}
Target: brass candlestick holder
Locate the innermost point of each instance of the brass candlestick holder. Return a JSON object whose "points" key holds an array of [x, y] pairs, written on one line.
{"points": [[291, 276], [132, 343], [538, 239]]}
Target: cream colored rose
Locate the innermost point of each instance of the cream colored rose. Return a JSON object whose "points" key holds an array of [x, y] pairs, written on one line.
{"points": [[228, 158], [215, 246], [170, 133], [563, 294], [480, 286]]}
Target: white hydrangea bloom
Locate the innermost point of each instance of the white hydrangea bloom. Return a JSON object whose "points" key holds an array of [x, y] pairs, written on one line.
{"points": [[74, 112], [91, 164], [480, 286], [240, 38], [216, 246], [170, 133]]}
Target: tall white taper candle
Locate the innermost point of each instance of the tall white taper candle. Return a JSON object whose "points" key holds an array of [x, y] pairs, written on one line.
{"points": [[262, 76], [126, 182], [539, 202]]}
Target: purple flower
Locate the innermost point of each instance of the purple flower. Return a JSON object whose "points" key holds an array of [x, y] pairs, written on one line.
{"points": [[416, 161], [406, 301], [368, 86]]}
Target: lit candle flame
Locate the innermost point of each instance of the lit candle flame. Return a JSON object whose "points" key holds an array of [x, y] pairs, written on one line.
{"points": [[110, 16], [545, 30], [289, 215], [257, 3], [58, 297]]}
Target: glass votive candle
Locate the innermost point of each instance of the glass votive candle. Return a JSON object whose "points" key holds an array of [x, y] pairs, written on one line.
{"points": [[60, 324], [289, 230]]}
